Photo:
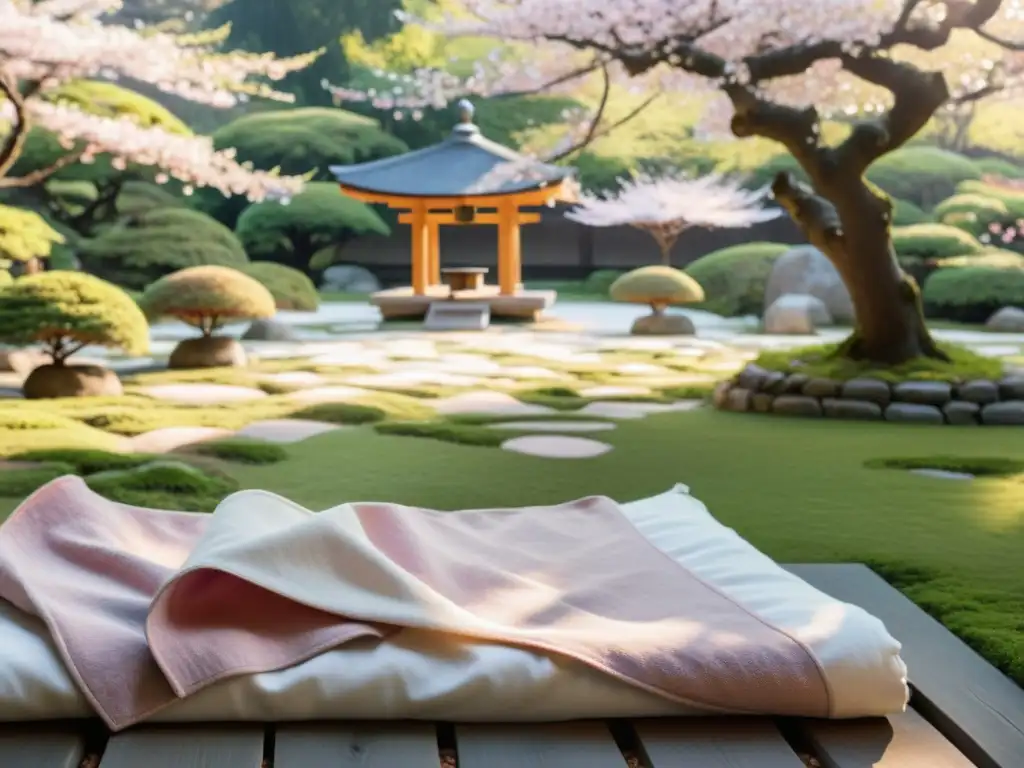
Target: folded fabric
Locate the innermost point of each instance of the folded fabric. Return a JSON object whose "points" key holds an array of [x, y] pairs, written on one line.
{"points": [[151, 608]]}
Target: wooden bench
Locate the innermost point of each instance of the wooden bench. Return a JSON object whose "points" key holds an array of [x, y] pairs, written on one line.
{"points": [[464, 278], [964, 713]]}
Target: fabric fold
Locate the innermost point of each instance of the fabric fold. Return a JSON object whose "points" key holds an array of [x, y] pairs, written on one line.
{"points": [[148, 606]]}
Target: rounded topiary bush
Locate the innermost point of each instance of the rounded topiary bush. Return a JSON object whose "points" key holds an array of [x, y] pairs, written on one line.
{"points": [[291, 289], [206, 298], [599, 282], [905, 213], [971, 212], [149, 245], [920, 246], [992, 257], [734, 278], [922, 175], [1011, 197], [659, 287], [65, 311], [972, 294]]}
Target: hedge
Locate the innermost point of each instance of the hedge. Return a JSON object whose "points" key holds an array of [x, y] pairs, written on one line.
{"points": [[291, 289], [734, 278], [972, 294]]}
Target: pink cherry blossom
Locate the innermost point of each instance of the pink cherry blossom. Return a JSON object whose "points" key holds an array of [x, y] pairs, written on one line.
{"points": [[46, 44]]}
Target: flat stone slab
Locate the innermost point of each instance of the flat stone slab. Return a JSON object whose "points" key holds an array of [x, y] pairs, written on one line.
{"points": [[339, 394], [623, 410], [532, 372], [497, 403], [172, 438], [642, 369], [285, 430], [556, 447], [614, 391], [295, 378], [942, 474], [201, 394], [413, 377]]}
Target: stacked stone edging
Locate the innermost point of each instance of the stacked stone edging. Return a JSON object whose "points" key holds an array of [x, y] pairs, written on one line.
{"points": [[979, 401]]}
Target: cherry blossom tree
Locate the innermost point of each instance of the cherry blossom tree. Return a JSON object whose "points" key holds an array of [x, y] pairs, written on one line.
{"points": [[46, 45], [775, 70], [666, 206]]}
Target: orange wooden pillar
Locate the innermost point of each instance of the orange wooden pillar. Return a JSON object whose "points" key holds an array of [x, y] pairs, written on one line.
{"points": [[434, 260], [420, 235], [509, 256]]}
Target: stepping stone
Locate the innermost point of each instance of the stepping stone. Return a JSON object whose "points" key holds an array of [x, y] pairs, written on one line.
{"points": [[642, 369], [413, 377], [285, 430], [497, 403], [613, 391], [202, 394], [295, 378], [172, 438], [532, 372], [556, 447], [942, 474], [328, 394], [555, 426]]}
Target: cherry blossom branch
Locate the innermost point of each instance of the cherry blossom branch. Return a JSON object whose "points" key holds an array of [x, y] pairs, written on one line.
{"points": [[15, 139], [606, 89], [598, 132]]}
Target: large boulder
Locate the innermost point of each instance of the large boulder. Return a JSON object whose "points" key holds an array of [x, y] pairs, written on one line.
{"points": [[208, 352], [49, 381], [349, 278], [663, 325], [1006, 320], [794, 313], [269, 330], [805, 270]]}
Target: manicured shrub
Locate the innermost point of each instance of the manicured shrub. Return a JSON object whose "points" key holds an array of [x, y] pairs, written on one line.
{"points": [[734, 278], [993, 257], [318, 217], [298, 141], [600, 281], [922, 175], [64, 311], [1011, 197], [291, 289], [143, 248], [206, 298], [972, 294], [971, 206], [25, 237], [997, 166], [905, 213], [922, 242], [67, 310], [242, 450], [657, 285]]}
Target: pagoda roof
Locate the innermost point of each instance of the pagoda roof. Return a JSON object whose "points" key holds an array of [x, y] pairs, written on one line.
{"points": [[466, 163]]}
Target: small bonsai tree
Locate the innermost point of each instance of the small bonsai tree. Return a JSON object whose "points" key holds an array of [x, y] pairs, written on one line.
{"points": [[65, 311], [659, 286], [291, 289], [207, 297], [667, 206], [25, 239]]}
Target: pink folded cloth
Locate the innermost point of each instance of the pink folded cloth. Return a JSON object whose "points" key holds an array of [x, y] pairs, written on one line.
{"points": [[149, 606]]}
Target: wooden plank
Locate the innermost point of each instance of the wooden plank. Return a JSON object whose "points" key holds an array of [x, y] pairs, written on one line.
{"points": [[714, 742], [975, 706], [347, 745], [906, 740], [546, 745], [26, 746], [186, 746]]}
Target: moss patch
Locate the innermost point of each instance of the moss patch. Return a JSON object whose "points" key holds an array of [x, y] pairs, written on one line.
{"points": [[86, 462], [979, 466], [241, 450], [818, 361], [341, 413], [164, 484], [22, 481], [445, 431], [689, 391]]}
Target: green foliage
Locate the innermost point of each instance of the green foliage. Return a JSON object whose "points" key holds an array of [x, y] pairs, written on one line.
{"points": [[922, 242], [600, 173], [766, 173], [656, 285], [18, 482], [599, 282], [164, 484], [84, 461], [970, 209], [349, 414], [241, 450], [734, 278], [145, 247], [992, 257], [107, 99], [25, 235], [72, 306], [979, 466], [291, 289], [197, 294], [1012, 198], [5, 279], [138, 197], [319, 217], [972, 294], [922, 175], [448, 432], [997, 166], [823, 362], [298, 142], [905, 213]]}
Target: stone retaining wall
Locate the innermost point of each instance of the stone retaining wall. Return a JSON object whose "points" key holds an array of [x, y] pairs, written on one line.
{"points": [[981, 401]]}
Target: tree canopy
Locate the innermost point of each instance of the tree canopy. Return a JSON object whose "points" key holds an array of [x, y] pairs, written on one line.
{"points": [[206, 297]]}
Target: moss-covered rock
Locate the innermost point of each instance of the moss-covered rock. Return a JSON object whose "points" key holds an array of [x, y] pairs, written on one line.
{"points": [[147, 246], [66, 310], [318, 218], [972, 294], [734, 278], [291, 289]]}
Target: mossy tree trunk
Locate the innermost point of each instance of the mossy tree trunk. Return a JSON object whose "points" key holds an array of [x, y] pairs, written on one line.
{"points": [[840, 212]]}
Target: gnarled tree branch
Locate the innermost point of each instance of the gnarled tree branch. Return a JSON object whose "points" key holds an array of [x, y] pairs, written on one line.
{"points": [[42, 174], [816, 216], [13, 143]]}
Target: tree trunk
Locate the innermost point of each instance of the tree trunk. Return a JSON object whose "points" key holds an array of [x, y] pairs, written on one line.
{"points": [[890, 327]]}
